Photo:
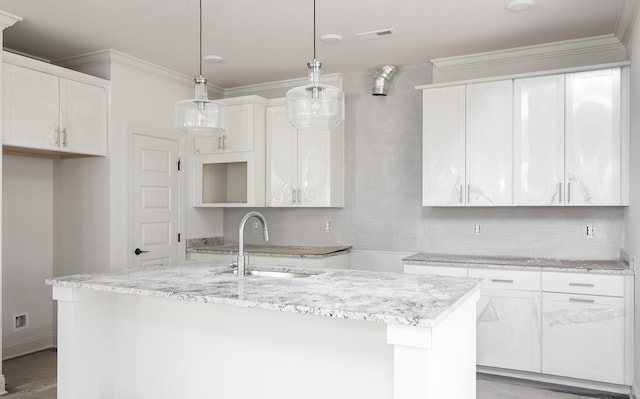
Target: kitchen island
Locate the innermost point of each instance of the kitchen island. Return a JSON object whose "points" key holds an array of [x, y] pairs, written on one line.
{"points": [[192, 329]]}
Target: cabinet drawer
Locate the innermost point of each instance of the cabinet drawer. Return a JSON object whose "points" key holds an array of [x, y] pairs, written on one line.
{"points": [[436, 270], [508, 279], [579, 283]]}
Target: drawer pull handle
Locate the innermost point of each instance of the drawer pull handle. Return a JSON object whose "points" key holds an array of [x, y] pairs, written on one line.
{"points": [[500, 280], [581, 300], [582, 285]]}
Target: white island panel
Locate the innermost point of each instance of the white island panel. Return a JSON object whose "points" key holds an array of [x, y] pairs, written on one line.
{"points": [[119, 337]]}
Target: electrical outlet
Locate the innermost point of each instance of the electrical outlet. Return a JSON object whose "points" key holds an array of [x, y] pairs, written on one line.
{"points": [[589, 231], [256, 225], [476, 229], [20, 321], [327, 225]]}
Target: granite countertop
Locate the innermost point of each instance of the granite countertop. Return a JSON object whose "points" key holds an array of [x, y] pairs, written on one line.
{"points": [[274, 250], [392, 298], [544, 264]]}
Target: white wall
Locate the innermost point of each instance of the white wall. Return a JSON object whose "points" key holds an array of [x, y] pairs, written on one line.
{"points": [[632, 214], [27, 257]]}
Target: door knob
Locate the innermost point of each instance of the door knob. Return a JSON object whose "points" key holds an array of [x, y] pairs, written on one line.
{"points": [[138, 251]]}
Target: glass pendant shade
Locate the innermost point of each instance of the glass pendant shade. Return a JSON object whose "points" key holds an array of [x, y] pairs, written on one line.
{"points": [[200, 115], [315, 106]]}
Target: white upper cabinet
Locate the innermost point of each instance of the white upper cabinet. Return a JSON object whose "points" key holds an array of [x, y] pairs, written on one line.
{"points": [[554, 140], [304, 168], [46, 111], [538, 141], [240, 128], [83, 118], [443, 142], [31, 109], [467, 145], [593, 138], [489, 166], [229, 169]]}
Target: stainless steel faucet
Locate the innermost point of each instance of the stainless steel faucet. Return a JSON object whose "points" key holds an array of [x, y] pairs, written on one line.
{"points": [[241, 257]]}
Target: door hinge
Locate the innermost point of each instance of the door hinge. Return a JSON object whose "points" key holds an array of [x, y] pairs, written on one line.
{"points": [[179, 237], [179, 162]]}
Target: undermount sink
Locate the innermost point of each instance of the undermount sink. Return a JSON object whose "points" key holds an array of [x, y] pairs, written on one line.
{"points": [[271, 273]]}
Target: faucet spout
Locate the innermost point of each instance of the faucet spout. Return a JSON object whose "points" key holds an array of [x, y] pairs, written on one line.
{"points": [[243, 222]]}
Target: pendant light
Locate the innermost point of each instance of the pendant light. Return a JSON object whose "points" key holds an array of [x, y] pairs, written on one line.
{"points": [[200, 115], [315, 106]]}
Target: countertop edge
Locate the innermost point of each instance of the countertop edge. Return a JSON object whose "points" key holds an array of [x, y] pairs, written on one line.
{"points": [[624, 271]]}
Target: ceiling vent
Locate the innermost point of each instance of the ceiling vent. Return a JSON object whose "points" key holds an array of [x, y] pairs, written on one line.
{"points": [[377, 34]]}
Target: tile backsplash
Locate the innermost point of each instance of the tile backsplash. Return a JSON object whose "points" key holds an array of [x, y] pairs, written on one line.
{"points": [[383, 206]]}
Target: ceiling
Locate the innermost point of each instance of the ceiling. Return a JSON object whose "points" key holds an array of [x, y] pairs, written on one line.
{"points": [[270, 40]]}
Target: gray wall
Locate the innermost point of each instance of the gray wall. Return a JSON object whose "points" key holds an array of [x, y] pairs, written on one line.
{"points": [[383, 210]]}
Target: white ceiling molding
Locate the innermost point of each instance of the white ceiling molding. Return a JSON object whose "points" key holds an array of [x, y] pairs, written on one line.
{"points": [[7, 20], [529, 53], [280, 88], [626, 20], [107, 57]]}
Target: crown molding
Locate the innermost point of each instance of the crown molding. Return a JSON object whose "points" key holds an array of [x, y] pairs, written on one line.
{"points": [[280, 88], [528, 53], [626, 20], [110, 56], [7, 20]]}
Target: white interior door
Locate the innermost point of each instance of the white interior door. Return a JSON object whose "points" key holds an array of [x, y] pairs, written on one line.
{"points": [[154, 200]]}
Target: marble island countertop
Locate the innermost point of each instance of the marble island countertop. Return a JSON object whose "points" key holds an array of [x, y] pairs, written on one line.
{"points": [[273, 250], [545, 264], [392, 298]]}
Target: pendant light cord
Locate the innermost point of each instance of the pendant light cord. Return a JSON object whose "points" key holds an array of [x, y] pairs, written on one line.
{"points": [[314, 29], [201, 37]]}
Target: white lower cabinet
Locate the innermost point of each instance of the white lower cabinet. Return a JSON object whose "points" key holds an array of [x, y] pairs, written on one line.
{"points": [[585, 324], [508, 329], [508, 319], [583, 336], [575, 325]]}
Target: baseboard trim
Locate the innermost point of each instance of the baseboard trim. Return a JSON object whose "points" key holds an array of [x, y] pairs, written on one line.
{"points": [[27, 345], [552, 379], [3, 384]]}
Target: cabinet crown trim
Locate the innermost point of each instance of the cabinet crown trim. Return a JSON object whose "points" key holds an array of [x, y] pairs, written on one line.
{"points": [[549, 72], [527, 53]]}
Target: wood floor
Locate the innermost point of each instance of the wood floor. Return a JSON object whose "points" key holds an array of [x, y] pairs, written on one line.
{"points": [[34, 376]]}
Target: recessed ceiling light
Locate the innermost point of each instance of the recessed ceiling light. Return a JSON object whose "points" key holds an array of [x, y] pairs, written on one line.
{"points": [[213, 59], [520, 5], [331, 38]]}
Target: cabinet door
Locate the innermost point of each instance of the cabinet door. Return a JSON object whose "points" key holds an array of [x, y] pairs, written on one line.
{"points": [[489, 166], [239, 134], [443, 137], [314, 170], [508, 329], [583, 336], [83, 110], [539, 141], [31, 108], [593, 138], [282, 158], [237, 137]]}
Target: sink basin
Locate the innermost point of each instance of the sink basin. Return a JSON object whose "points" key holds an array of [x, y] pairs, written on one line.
{"points": [[271, 273]]}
